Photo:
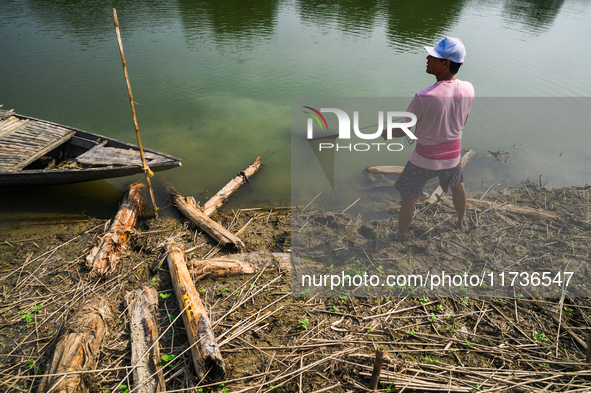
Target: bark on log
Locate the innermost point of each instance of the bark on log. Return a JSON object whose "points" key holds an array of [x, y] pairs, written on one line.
{"points": [[385, 169], [78, 348], [438, 193], [103, 258], [204, 349], [188, 208], [529, 212], [215, 202], [239, 264], [143, 309]]}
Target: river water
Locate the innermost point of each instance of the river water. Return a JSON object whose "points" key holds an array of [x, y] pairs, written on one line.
{"points": [[214, 81]]}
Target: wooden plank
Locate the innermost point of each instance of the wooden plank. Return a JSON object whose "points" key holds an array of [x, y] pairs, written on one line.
{"points": [[100, 155], [438, 193], [57, 142]]}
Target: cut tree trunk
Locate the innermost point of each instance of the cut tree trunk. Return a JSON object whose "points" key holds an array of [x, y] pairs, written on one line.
{"points": [[188, 208], [385, 169], [103, 258], [215, 202], [239, 264], [78, 348], [438, 193], [145, 351], [204, 349]]}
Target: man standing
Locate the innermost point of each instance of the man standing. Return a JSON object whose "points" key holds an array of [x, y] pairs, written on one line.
{"points": [[441, 111]]}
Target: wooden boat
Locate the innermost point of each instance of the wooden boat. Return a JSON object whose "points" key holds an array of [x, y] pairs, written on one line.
{"points": [[37, 152]]}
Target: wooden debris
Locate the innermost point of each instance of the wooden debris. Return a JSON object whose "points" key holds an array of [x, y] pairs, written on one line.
{"points": [[145, 351], [188, 208], [103, 257], [216, 201], [438, 193], [507, 208], [377, 368], [385, 169], [78, 348], [239, 264], [204, 349]]}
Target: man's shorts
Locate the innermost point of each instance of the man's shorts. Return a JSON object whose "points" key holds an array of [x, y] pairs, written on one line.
{"points": [[413, 179]]}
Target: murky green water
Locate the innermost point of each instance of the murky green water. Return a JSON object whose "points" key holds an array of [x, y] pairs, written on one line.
{"points": [[215, 79]]}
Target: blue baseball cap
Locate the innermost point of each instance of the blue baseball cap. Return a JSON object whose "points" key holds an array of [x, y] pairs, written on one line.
{"points": [[448, 48]]}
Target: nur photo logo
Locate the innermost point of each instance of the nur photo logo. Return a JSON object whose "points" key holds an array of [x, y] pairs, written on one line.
{"points": [[344, 129]]}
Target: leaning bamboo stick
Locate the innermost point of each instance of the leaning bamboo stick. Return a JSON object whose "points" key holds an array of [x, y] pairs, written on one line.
{"points": [[147, 170], [188, 208], [438, 193], [204, 349], [103, 258], [143, 326], [78, 348], [215, 202]]}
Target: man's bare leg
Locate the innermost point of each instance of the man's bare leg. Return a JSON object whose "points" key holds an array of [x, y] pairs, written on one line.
{"points": [[407, 210], [460, 200]]}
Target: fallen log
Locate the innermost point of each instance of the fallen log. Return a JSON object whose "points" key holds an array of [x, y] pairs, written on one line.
{"points": [[215, 202], [529, 212], [438, 193], [103, 257], [206, 355], [78, 348], [188, 208], [385, 169], [234, 264], [145, 351]]}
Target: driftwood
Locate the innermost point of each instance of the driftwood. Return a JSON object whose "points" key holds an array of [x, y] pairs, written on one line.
{"points": [[143, 309], [385, 169], [215, 202], [438, 193], [78, 348], [188, 208], [103, 258], [529, 212], [239, 264], [207, 358]]}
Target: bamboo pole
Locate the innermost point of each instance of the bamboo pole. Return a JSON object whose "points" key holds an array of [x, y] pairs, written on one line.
{"points": [[215, 202], [147, 170], [143, 308], [207, 358], [377, 369]]}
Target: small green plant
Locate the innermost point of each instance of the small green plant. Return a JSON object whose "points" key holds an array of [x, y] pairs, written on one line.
{"points": [[453, 350], [501, 301], [223, 289], [428, 360], [343, 298], [303, 324], [440, 307], [545, 365], [306, 292], [468, 344], [165, 296], [540, 336], [153, 283], [336, 309], [166, 359], [433, 318], [423, 300], [202, 291], [123, 389], [412, 332], [370, 329]]}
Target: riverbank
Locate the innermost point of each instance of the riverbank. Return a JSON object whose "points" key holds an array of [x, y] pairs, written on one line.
{"points": [[272, 341]]}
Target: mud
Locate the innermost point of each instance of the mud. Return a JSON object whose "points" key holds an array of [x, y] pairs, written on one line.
{"points": [[276, 335]]}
